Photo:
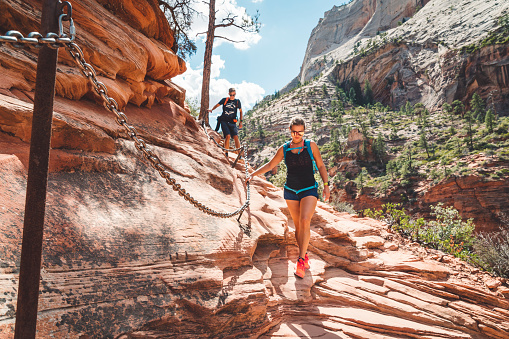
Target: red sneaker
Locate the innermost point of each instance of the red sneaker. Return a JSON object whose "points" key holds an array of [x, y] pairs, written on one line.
{"points": [[306, 262], [300, 269]]}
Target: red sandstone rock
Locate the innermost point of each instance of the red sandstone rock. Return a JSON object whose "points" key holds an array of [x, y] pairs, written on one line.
{"points": [[125, 256]]}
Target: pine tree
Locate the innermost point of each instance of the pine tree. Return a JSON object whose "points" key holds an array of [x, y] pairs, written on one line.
{"points": [[358, 91], [458, 107], [391, 168], [368, 93], [379, 148], [352, 96], [447, 109], [244, 23], [409, 110], [470, 121], [489, 120], [423, 142], [478, 109]]}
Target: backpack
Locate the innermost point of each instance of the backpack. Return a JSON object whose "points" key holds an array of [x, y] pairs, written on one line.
{"points": [[307, 145]]}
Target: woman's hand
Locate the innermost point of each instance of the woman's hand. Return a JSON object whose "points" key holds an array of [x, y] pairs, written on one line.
{"points": [[326, 193]]}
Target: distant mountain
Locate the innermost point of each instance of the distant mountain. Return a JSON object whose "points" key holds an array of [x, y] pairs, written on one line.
{"points": [[413, 50], [344, 25]]}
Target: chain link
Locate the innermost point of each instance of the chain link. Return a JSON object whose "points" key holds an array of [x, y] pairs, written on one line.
{"points": [[36, 39], [111, 105]]}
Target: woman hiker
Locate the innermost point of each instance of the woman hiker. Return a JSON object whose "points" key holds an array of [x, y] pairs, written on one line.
{"points": [[300, 190]]}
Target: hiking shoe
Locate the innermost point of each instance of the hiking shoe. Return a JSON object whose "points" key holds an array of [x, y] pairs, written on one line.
{"points": [[306, 262], [300, 270]]}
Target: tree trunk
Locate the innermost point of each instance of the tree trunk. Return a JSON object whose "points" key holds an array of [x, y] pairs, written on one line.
{"points": [[207, 63]]}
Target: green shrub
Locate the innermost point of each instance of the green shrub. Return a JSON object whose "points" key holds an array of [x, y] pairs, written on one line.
{"points": [[342, 206], [448, 232], [492, 250]]}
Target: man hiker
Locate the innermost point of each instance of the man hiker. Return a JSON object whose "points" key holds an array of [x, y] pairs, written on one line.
{"points": [[228, 119]]}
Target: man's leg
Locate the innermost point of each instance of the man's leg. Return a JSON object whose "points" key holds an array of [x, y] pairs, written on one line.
{"points": [[237, 141], [227, 142]]}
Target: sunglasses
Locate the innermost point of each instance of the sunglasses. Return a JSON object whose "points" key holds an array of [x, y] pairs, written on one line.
{"points": [[298, 132], [232, 95]]}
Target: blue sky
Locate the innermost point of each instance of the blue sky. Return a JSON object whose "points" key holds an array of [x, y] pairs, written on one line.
{"points": [[265, 62]]}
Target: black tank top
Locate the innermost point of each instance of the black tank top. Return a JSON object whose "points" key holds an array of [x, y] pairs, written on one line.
{"points": [[299, 170]]}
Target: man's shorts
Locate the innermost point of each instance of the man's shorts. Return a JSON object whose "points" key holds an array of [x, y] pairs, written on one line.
{"points": [[229, 128], [290, 195]]}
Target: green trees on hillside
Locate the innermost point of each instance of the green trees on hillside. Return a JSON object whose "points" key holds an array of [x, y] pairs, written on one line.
{"points": [[458, 107], [477, 106], [352, 91], [367, 93], [489, 120], [379, 149]]}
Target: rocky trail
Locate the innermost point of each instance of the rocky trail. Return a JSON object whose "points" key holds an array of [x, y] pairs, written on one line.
{"points": [[125, 256]]}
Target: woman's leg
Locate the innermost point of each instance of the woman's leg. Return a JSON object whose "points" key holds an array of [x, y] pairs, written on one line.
{"points": [[307, 209], [294, 207]]}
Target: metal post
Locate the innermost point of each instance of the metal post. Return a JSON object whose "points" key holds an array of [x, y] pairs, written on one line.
{"points": [[35, 203]]}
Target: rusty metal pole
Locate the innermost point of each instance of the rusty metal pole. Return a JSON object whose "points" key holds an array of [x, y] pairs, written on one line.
{"points": [[35, 203]]}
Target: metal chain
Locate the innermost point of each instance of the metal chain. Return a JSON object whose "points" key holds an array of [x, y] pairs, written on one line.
{"points": [[36, 39], [111, 105]]}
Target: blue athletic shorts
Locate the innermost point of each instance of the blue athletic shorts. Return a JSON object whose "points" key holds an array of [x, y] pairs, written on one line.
{"points": [[229, 128], [289, 195]]}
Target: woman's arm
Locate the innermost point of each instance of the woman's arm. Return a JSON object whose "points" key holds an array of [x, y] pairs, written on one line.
{"points": [[322, 169], [270, 165]]}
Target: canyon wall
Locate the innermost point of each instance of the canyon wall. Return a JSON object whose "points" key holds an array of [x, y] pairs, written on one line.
{"points": [[125, 256], [411, 51]]}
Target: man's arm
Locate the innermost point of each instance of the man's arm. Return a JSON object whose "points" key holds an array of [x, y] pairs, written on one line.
{"points": [[240, 110], [213, 108]]}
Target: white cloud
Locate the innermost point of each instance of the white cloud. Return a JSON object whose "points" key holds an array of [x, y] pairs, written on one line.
{"points": [[200, 24], [247, 92]]}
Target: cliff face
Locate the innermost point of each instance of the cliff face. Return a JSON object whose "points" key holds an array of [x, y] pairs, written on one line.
{"points": [[485, 201], [417, 61], [134, 64], [342, 26], [125, 256]]}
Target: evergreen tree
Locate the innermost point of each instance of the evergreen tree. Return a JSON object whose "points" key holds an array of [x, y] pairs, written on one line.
{"points": [[352, 96], [470, 122], [368, 93], [362, 178], [391, 168], [358, 91], [325, 92], [379, 148], [409, 110], [423, 142], [458, 107], [489, 120], [447, 109], [477, 105], [418, 109]]}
